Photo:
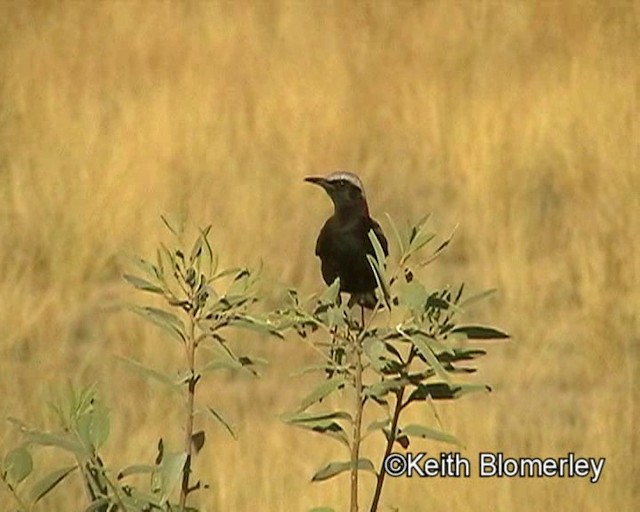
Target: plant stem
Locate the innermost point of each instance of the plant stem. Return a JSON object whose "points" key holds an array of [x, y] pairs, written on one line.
{"points": [[357, 425], [191, 361], [91, 477], [387, 452]]}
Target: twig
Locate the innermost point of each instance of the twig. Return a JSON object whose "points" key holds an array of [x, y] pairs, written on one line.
{"points": [[390, 440], [191, 356]]}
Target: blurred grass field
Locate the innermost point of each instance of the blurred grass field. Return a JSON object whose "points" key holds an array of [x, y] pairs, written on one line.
{"points": [[518, 120]]}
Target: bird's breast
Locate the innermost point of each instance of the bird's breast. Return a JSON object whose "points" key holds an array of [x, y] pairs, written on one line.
{"points": [[342, 248]]}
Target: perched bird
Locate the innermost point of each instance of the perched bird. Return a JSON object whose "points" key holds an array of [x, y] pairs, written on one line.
{"points": [[343, 243]]}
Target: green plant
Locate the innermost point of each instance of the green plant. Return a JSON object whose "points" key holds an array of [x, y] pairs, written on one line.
{"points": [[405, 352], [201, 303], [83, 428], [199, 309]]}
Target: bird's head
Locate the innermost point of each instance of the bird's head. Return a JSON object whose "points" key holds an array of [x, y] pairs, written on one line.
{"points": [[345, 190]]}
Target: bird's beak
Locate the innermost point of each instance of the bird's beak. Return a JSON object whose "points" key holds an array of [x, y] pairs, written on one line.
{"points": [[317, 180]]}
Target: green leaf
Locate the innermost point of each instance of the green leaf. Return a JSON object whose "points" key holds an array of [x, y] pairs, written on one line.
{"points": [[163, 319], [255, 324], [228, 302], [313, 418], [151, 373], [217, 416], [100, 425], [175, 224], [228, 272], [381, 280], [480, 332], [422, 222], [421, 343], [336, 316], [80, 402], [413, 296], [241, 282], [382, 388], [429, 433], [324, 423], [420, 240], [461, 354], [147, 267], [444, 244], [93, 426], [206, 260], [393, 351], [323, 390], [218, 363], [49, 482], [401, 244], [322, 509], [477, 297], [435, 391], [378, 425], [444, 391], [337, 433], [335, 468], [17, 465], [170, 473], [375, 351], [66, 443], [226, 359], [377, 249], [196, 250], [331, 294], [437, 346], [165, 260], [313, 368], [137, 469], [143, 284]]}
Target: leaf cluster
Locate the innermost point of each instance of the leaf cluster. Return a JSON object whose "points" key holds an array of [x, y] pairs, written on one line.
{"points": [[411, 349], [413, 346], [201, 302], [83, 426]]}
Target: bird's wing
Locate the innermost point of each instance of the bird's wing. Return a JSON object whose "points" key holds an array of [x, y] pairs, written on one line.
{"points": [[320, 242], [323, 242]]}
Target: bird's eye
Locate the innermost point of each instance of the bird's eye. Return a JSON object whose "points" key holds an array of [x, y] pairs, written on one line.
{"points": [[341, 183]]}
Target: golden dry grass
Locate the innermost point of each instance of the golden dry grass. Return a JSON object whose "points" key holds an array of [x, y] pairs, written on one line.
{"points": [[519, 120]]}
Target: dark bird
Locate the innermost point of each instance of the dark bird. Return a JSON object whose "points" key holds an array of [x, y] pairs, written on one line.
{"points": [[343, 243]]}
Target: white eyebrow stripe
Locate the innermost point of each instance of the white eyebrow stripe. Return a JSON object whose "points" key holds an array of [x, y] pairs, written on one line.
{"points": [[347, 176]]}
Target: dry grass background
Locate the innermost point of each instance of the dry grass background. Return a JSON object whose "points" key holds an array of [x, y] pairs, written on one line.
{"points": [[519, 120]]}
